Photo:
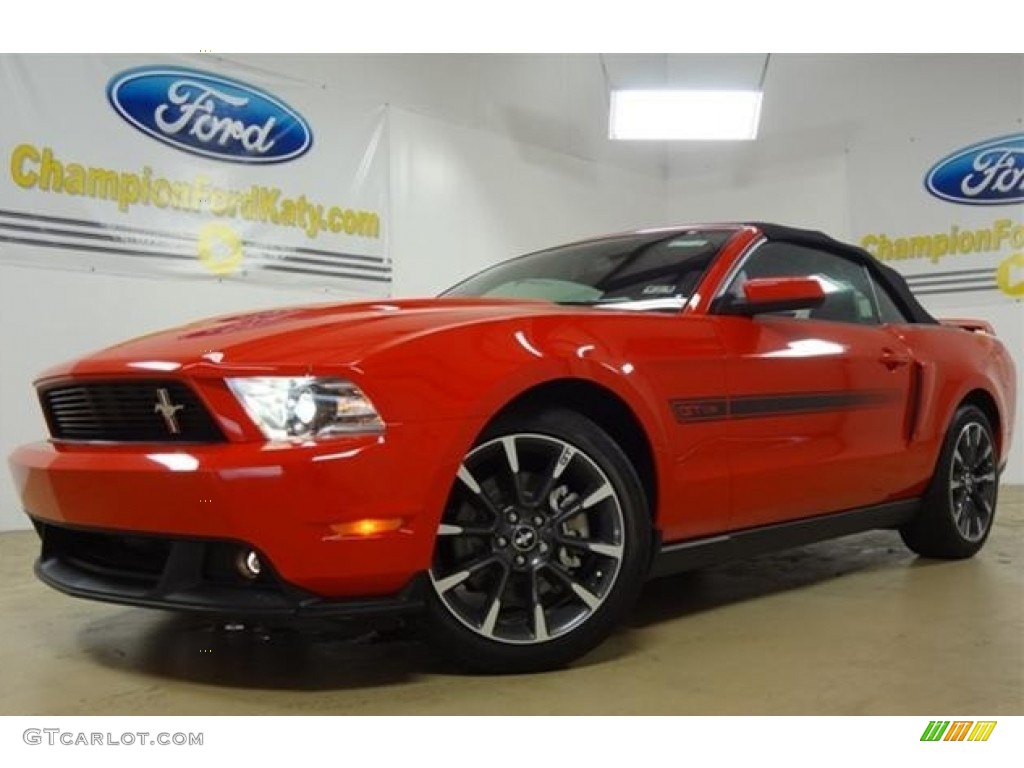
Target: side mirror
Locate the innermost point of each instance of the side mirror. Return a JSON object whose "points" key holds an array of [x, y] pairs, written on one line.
{"points": [[774, 294]]}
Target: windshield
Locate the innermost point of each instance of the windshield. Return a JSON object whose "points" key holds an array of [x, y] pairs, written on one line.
{"points": [[654, 272]]}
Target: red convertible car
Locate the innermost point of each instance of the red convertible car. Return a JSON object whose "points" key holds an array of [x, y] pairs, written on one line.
{"points": [[511, 460]]}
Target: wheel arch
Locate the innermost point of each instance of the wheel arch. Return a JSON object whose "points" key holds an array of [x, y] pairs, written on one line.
{"points": [[606, 409], [986, 403]]}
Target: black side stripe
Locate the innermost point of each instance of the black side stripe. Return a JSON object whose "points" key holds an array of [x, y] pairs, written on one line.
{"points": [[699, 409]]}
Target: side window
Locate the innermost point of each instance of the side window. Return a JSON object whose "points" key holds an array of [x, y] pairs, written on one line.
{"points": [[888, 310], [849, 293]]}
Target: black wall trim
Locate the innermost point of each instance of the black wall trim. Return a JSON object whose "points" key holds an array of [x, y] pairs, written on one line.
{"points": [[699, 553], [953, 281], [80, 236]]}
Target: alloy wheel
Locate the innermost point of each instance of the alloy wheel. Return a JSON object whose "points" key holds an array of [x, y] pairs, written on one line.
{"points": [[531, 542], [972, 481]]}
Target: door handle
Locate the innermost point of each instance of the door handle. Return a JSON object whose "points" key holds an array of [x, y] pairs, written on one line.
{"points": [[892, 359]]}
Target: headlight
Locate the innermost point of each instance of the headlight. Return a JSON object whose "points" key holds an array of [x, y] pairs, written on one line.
{"points": [[309, 407]]}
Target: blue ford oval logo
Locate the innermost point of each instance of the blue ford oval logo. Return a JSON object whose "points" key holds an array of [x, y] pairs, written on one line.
{"points": [[989, 173], [209, 115]]}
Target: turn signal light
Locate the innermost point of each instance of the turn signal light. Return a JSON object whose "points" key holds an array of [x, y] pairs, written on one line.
{"points": [[367, 527]]}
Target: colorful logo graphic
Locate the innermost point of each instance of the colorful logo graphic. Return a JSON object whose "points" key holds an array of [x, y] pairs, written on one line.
{"points": [[958, 730], [209, 115], [989, 173]]}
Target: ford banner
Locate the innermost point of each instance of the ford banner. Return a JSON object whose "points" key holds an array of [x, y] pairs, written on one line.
{"points": [[945, 207], [989, 173], [211, 116], [203, 172]]}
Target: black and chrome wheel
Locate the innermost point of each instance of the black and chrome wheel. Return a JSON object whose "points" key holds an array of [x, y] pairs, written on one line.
{"points": [[961, 500], [542, 546]]}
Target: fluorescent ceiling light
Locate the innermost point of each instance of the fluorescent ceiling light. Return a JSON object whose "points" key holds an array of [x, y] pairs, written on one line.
{"points": [[685, 115]]}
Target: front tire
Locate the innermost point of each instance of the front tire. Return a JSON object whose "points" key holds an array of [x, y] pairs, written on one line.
{"points": [[960, 503], [542, 548]]}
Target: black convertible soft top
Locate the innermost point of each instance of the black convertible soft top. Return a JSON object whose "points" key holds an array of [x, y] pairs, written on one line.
{"points": [[885, 274]]}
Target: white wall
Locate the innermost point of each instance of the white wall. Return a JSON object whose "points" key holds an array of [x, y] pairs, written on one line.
{"points": [[551, 100], [804, 192], [463, 198]]}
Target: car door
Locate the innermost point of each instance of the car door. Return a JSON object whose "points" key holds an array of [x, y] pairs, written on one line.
{"points": [[818, 399]]}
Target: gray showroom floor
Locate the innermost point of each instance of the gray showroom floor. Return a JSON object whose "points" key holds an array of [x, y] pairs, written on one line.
{"points": [[858, 626]]}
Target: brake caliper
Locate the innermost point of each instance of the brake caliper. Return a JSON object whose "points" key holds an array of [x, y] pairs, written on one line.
{"points": [[561, 502]]}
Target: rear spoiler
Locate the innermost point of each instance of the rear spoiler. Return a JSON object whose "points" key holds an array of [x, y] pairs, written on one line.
{"points": [[974, 326]]}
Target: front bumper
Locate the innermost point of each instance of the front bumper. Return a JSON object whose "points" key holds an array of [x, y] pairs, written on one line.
{"points": [[193, 575], [279, 500]]}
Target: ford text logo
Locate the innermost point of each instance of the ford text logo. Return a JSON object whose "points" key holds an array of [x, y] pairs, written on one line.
{"points": [[209, 115], [990, 173]]}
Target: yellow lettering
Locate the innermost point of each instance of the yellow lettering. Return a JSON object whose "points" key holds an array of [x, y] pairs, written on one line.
{"points": [[334, 219], [161, 193], [22, 152], [369, 224], [232, 208], [181, 194], [250, 206], [884, 248], [1001, 230], [74, 184], [983, 240], [147, 173], [921, 247], [218, 201], [33, 167], [200, 194], [128, 191], [51, 174], [364, 223], [288, 213], [102, 183]]}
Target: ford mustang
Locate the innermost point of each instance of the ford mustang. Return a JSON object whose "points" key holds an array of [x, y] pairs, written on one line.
{"points": [[508, 463]]}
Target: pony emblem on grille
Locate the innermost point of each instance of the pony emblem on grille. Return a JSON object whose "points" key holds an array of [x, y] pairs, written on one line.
{"points": [[168, 410]]}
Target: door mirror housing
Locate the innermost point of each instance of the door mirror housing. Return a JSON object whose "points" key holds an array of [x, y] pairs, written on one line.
{"points": [[773, 294]]}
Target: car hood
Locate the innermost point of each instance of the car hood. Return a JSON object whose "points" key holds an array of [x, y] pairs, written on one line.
{"points": [[307, 336]]}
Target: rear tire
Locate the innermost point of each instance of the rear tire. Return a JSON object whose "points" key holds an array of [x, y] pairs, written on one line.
{"points": [[960, 503], [543, 546]]}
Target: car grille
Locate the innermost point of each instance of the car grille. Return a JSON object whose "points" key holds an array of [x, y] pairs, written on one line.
{"points": [[153, 411]]}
